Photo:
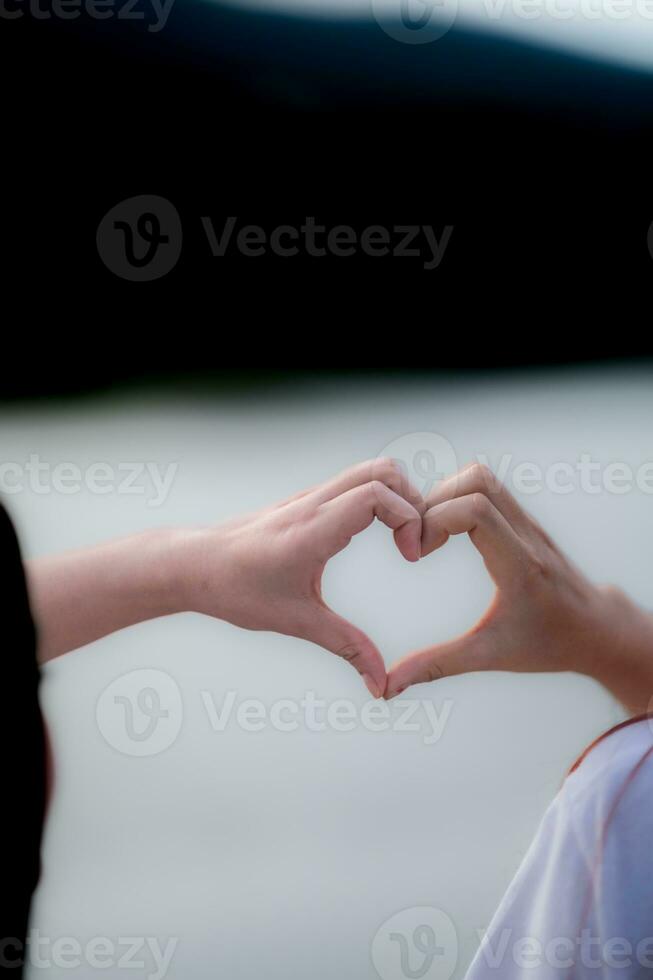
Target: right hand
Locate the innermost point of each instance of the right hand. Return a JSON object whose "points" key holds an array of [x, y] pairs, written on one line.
{"points": [[264, 571]]}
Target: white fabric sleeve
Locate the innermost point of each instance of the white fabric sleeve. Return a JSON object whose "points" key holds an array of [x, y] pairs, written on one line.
{"points": [[581, 905]]}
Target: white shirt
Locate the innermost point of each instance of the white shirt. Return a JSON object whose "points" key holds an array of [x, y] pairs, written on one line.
{"points": [[581, 904]]}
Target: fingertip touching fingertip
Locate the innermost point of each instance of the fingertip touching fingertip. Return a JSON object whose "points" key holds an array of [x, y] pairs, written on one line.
{"points": [[372, 686], [393, 694], [414, 554]]}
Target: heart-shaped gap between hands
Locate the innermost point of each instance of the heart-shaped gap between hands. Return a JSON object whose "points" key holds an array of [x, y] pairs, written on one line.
{"points": [[264, 572]]}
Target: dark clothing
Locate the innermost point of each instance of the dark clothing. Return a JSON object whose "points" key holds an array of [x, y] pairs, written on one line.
{"points": [[23, 750]]}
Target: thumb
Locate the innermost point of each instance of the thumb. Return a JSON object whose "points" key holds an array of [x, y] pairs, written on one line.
{"points": [[334, 633], [466, 654]]}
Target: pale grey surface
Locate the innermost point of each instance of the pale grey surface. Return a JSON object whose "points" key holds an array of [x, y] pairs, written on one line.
{"points": [[280, 854]]}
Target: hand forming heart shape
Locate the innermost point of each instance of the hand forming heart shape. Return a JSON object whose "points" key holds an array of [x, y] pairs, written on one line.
{"points": [[264, 572], [545, 614]]}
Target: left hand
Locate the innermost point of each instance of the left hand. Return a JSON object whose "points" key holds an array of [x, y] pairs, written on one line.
{"points": [[545, 615]]}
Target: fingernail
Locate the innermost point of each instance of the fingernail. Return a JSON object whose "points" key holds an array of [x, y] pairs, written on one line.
{"points": [[371, 686], [394, 694]]}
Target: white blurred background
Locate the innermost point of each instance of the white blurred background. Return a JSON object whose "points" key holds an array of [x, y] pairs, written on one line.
{"points": [[281, 854]]}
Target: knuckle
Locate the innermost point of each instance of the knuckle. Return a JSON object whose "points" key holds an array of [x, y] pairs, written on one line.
{"points": [[364, 472], [388, 470], [536, 570], [484, 477], [350, 652], [387, 464], [480, 505], [481, 472], [432, 672], [612, 591], [613, 594], [376, 488]]}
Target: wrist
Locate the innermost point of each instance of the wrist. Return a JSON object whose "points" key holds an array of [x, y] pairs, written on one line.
{"points": [[167, 554], [197, 570], [622, 660]]}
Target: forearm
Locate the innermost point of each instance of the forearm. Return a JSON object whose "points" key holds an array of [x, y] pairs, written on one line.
{"points": [[80, 596], [623, 658]]}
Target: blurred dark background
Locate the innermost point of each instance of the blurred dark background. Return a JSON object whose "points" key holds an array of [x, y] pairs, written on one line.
{"points": [[540, 161]]}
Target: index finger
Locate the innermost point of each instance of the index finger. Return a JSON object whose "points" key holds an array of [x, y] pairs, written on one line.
{"points": [[342, 517], [506, 555], [383, 470], [478, 478]]}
